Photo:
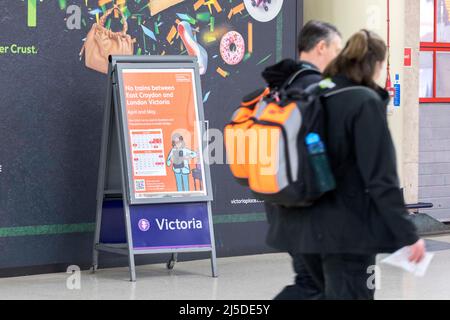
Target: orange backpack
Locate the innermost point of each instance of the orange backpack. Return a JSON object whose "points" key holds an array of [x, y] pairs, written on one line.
{"points": [[265, 144], [235, 142]]}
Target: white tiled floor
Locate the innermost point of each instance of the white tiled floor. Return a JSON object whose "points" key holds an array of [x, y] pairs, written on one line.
{"points": [[248, 278]]}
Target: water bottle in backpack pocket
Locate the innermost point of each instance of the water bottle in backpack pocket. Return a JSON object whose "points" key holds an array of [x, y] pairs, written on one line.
{"points": [[318, 159]]}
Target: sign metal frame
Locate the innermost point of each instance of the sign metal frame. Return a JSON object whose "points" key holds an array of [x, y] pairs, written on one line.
{"points": [[115, 140]]}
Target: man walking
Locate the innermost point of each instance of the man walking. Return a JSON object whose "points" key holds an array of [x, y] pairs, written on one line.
{"points": [[318, 43]]}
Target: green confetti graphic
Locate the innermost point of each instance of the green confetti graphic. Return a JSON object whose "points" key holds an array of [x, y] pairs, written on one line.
{"points": [[32, 13], [62, 4], [264, 60], [279, 41]]}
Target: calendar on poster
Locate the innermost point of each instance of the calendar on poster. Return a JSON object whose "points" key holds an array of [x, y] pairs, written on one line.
{"points": [[148, 153]]}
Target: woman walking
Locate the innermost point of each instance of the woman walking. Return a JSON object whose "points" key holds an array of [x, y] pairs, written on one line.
{"points": [[341, 234]]}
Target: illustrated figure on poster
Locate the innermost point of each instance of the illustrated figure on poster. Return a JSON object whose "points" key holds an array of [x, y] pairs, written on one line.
{"points": [[179, 158]]}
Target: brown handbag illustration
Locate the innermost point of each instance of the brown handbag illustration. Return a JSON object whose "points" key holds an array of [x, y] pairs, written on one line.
{"points": [[101, 43]]}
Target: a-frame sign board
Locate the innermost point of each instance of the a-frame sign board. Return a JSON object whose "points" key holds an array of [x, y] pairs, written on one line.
{"points": [[154, 187]]}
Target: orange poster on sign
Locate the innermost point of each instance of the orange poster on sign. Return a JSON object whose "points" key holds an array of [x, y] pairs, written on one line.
{"points": [[164, 132]]}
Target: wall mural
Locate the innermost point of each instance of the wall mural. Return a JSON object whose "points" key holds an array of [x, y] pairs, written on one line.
{"points": [[52, 103]]}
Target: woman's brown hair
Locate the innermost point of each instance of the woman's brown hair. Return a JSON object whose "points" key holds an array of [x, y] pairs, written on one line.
{"points": [[358, 59]]}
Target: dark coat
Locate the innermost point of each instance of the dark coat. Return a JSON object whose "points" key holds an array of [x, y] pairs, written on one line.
{"points": [[277, 75], [366, 213]]}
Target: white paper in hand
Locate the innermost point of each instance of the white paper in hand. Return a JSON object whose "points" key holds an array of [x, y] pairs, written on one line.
{"points": [[400, 259]]}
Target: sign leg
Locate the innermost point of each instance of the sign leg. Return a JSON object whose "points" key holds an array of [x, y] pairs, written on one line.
{"points": [[130, 245], [132, 267], [98, 223], [95, 252], [107, 120], [215, 273]]}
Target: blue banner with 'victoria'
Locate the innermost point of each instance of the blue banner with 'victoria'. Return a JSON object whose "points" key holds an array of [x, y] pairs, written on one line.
{"points": [[157, 227], [170, 226]]}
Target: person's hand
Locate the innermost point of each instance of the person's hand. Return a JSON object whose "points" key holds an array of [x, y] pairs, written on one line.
{"points": [[417, 251]]}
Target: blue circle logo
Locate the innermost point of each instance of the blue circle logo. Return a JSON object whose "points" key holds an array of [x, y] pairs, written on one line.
{"points": [[144, 225]]}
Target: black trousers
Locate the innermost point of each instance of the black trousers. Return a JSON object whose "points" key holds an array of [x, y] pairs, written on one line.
{"points": [[305, 287], [342, 276]]}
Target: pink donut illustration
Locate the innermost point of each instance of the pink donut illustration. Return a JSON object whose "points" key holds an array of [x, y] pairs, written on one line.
{"points": [[232, 48]]}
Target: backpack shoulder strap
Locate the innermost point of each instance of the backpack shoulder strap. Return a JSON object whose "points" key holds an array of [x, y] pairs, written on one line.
{"points": [[343, 90], [301, 72], [253, 98]]}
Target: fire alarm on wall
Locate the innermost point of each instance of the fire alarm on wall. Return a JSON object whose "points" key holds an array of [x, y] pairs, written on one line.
{"points": [[408, 57]]}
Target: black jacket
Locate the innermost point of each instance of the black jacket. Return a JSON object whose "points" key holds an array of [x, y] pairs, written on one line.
{"points": [[366, 213], [277, 75]]}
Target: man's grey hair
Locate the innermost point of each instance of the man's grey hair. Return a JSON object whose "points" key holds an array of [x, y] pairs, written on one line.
{"points": [[315, 31]]}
